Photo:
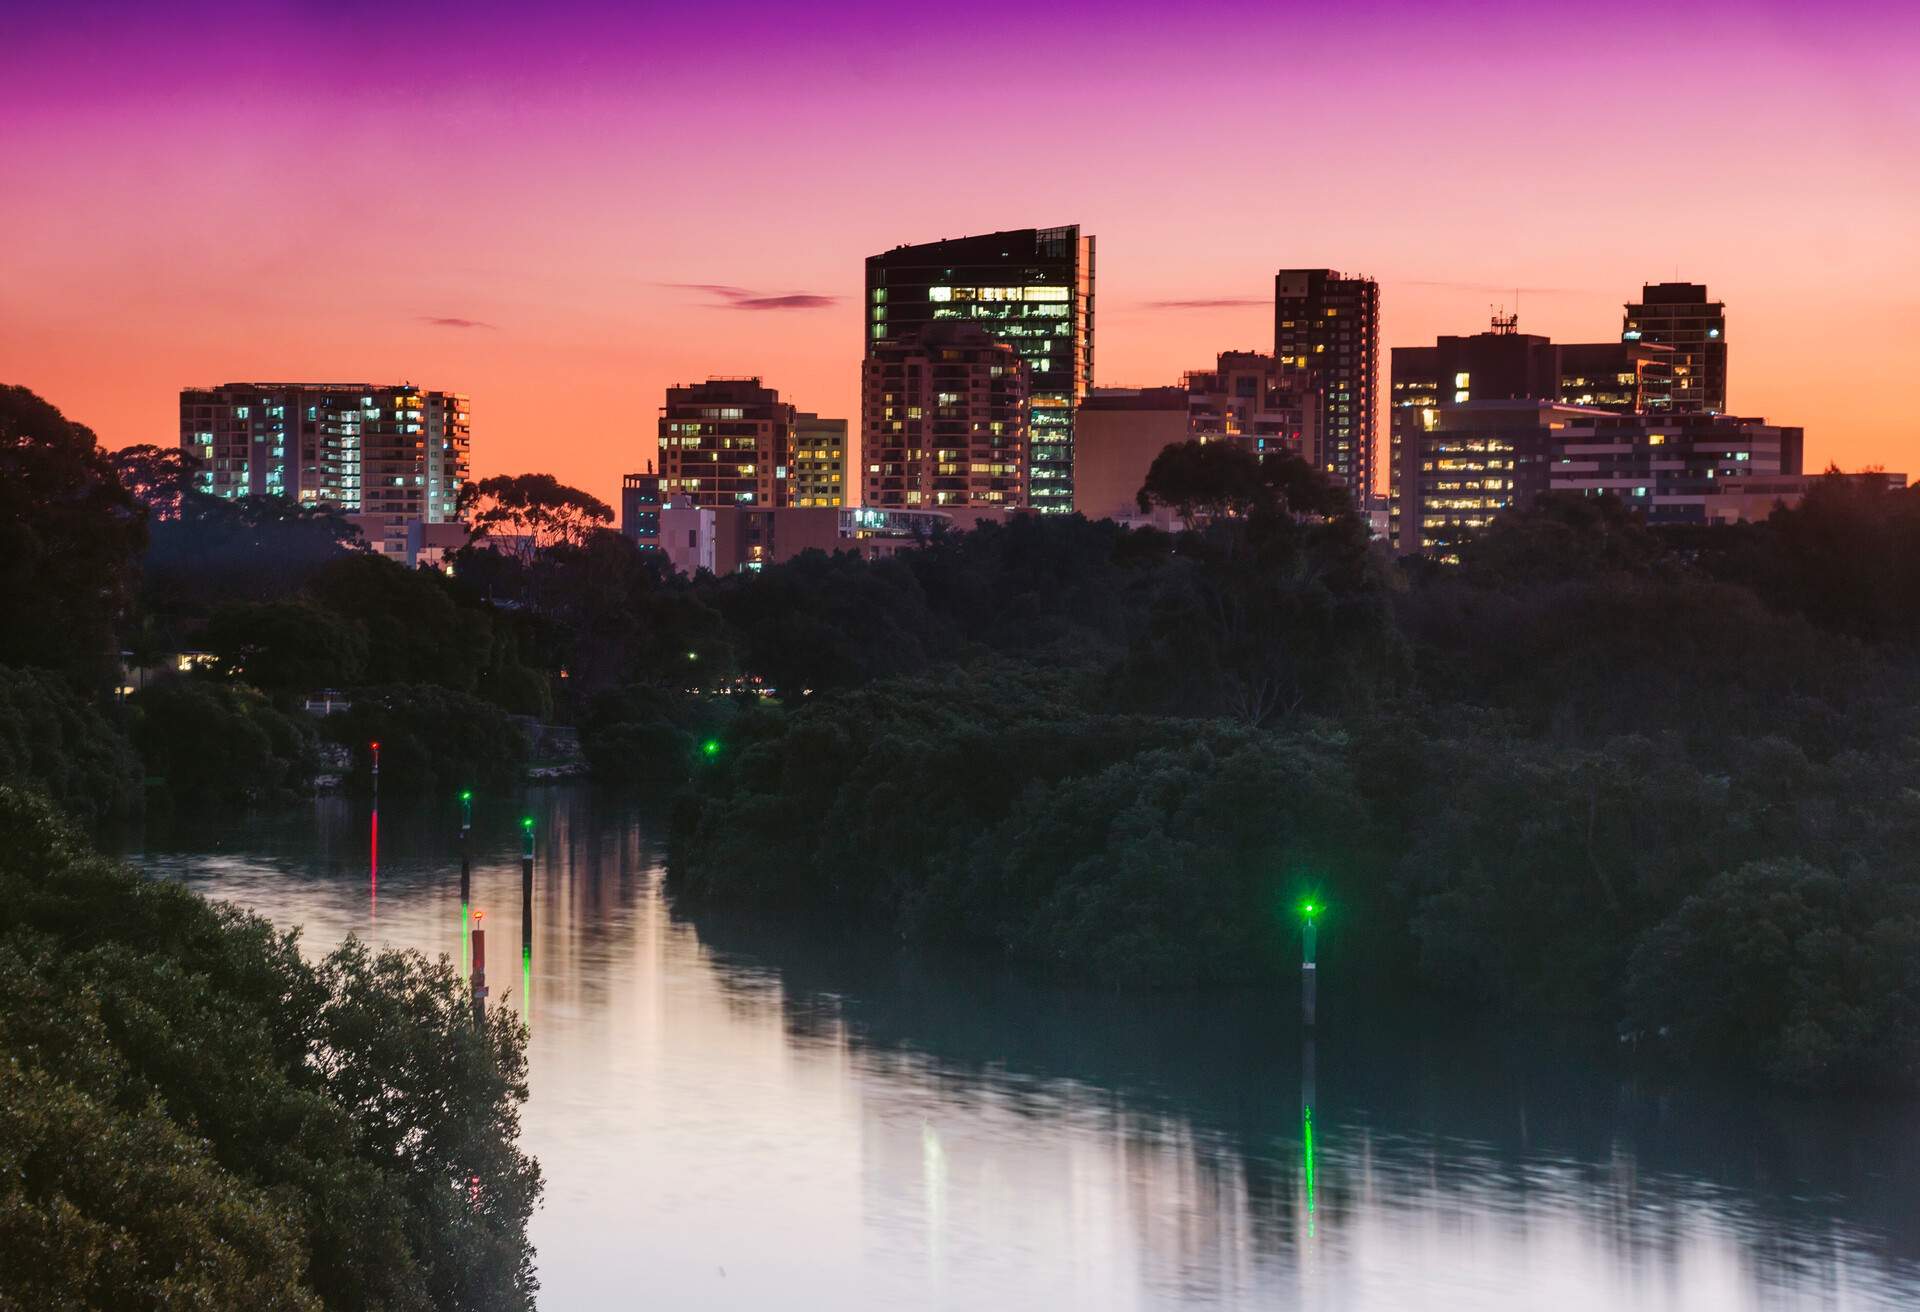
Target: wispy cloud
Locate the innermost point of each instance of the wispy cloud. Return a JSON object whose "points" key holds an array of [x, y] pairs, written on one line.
{"points": [[450, 321], [743, 298], [1209, 303]]}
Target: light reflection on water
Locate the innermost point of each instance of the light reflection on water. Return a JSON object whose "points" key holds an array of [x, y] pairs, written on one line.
{"points": [[746, 1113]]}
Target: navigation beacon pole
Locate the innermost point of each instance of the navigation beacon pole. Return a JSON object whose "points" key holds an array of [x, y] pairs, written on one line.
{"points": [[373, 838], [479, 972], [526, 885], [1309, 974], [526, 914], [466, 880]]}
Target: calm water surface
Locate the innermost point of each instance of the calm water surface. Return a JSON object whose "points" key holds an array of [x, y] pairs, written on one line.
{"points": [[746, 1114]]}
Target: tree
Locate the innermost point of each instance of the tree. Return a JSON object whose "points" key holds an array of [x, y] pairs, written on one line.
{"points": [[1561, 537], [213, 744], [415, 632], [1207, 482], [192, 1114], [532, 513], [161, 478], [55, 741], [70, 536], [285, 647]]}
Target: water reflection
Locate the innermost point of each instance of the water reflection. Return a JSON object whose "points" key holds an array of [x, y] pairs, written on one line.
{"points": [[747, 1112]]}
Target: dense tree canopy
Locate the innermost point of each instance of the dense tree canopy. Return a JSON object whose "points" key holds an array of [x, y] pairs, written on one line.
{"points": [[70, 536], [192, 1115]]}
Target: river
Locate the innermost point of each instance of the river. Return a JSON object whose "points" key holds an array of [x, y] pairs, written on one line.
{"points": [[737, 1112]]}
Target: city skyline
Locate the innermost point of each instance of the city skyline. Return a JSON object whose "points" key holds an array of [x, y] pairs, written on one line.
{"points": [[499, 228]]}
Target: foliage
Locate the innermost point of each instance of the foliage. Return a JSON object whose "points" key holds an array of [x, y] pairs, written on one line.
{"points": [[1783, 963], [533, 513], [285, 647], [161, 478], [214, 745], [1209, 482], [69, 539], [52, 740], [430, 738], [192, 1115], [414, 631], [218, 552]]}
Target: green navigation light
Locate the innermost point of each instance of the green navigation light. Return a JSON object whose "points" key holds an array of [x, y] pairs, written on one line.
{"points": [[466, 794], [711, 747], [526, 822], [1309, 909]]}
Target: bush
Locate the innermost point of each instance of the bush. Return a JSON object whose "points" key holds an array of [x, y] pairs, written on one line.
{"points": [[1812, 976], [53, 741], [192, 1115], [431, 739], [213, 744]]}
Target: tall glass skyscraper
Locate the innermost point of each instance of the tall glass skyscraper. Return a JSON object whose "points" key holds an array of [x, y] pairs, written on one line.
{"points": [[1031, 288]]}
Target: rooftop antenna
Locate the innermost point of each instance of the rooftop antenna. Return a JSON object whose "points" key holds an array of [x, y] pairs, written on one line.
{"points": [[1505, 325]]}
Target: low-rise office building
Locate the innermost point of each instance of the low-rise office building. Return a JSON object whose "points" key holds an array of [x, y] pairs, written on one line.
{"points": [[728, 539], [1669, 466]]}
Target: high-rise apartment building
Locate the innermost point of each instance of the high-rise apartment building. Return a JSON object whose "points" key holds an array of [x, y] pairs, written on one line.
{"points": [[1679, 315], [944, 420], [1326, 335], [1031, 288], [388, 455], [724, 442], [817, 470]]}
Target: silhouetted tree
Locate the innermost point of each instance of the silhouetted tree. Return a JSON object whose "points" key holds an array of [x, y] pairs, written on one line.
{"points": [[70, 536]]}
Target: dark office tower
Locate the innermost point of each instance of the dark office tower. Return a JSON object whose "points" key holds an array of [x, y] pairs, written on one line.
{"points": [[1031, 288], [944, 421], [1326, 335], [1679, 315], [725, 442]]}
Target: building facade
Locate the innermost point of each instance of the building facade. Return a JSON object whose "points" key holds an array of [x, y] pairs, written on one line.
{"points": [[1247, 397], [1671, 468], [1326, 337], [817, 468], [1460, 464], [724, 443], [727, 540], [944, 420], [1030, 288], [1754, 498], [387, 455], [640, 509], [1679, 316], [1121, 430], [1504, 364]]}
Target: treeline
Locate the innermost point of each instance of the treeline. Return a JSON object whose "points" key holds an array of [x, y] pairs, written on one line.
{"points": [[1666, 778], [192, 1114]]}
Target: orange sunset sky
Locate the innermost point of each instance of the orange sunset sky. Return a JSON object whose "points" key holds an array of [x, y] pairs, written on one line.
{"points": [[468, 199]]}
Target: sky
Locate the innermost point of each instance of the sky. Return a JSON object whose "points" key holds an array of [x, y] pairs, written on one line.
{"points": [[563, 208]]}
